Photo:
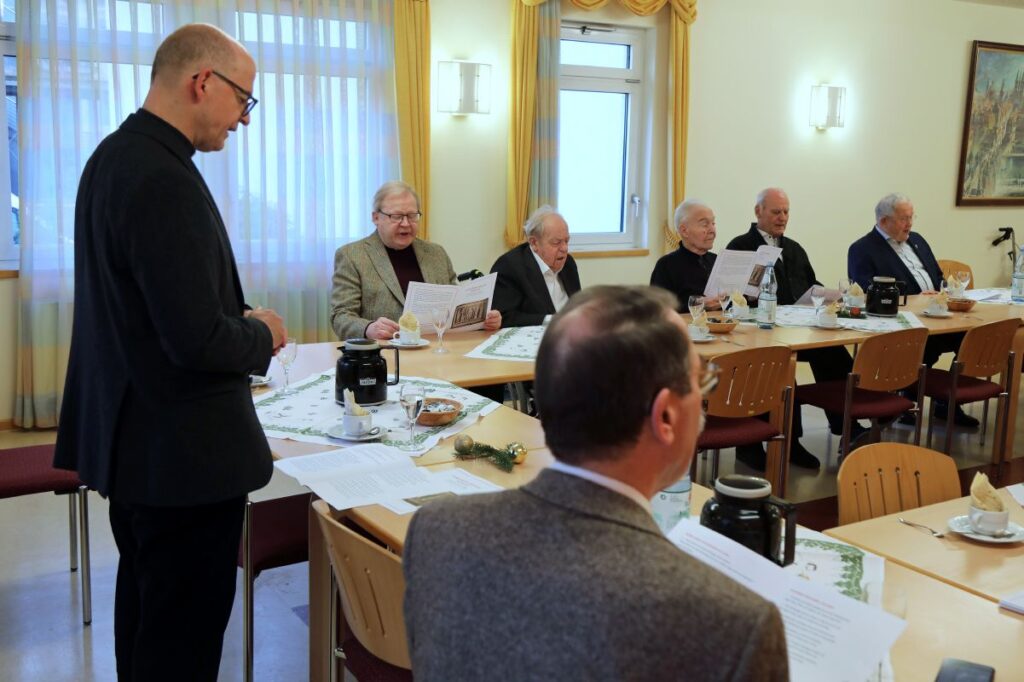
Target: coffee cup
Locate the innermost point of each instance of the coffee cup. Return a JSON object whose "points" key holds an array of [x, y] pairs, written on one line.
{"points": [[698, 331], [936, 308], [407, 337], [987, 522], [827, 319], [356, 424]]}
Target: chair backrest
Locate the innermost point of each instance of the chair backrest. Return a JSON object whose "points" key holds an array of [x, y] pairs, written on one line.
{"points": [[372, 589], [986, 347], [884, 478], [889, 362], [947, 266], [752, 381]]}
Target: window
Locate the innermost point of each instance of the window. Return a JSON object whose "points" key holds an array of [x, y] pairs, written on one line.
{"points": [[601, 151], [10, 229]]}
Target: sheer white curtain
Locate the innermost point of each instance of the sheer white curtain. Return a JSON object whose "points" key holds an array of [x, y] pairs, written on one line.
{"points": [[292, 187]]}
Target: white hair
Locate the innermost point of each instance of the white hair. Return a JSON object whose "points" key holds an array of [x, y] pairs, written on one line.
{"points": [[886, 206], [684, 209], [764, 193], [534, 226], [393, 188]]}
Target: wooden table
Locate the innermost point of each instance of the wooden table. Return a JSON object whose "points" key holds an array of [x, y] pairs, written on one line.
{"points": [[987, 570]]}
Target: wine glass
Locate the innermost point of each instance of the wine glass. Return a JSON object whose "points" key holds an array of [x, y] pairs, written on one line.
{"points": [[439, 316], [844, 289], [695, 304], [411, 398], [964, 277], [817, 297], [286, 356], [724, 299]]}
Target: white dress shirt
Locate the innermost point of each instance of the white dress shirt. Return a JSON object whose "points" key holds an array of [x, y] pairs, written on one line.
{"points": [[555, 288], [612, 484], [910, 258]]}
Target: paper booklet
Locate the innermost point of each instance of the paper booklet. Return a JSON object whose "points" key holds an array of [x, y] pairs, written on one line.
{"points": [[740, 271], [467, 303]]}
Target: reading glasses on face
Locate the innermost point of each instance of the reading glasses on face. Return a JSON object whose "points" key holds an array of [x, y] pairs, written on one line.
{"points": [[250, 102], [397, 218]]}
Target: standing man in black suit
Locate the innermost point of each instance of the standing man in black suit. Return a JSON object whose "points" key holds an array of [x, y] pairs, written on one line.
{"points": [[891, 249], [795, 276], [685, 271], [157, 414], [536, 278]]}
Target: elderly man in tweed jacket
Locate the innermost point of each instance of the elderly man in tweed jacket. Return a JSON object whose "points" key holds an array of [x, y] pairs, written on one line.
{"points": [[372, 275], [569, 577]]}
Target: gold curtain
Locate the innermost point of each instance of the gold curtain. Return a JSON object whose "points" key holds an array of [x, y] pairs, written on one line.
{"points": [[524, 92], [412, 89]]}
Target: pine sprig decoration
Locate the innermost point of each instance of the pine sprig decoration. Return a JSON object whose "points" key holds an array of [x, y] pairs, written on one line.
{"points": [[503, 458]]}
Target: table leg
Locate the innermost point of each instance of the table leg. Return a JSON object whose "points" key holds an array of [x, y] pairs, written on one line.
{"points": [[321, 657]]}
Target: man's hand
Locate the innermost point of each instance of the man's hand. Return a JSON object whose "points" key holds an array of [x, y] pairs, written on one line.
{"points": [[274, 322], [493, 320], [381, 329]]}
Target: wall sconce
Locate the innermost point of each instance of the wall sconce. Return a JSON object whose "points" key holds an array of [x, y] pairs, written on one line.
{"points": [[827, 106], [463, 88]]}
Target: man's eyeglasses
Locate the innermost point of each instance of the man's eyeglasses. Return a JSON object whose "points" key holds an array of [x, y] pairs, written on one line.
{"points": [[246, 99], [397, 218]]}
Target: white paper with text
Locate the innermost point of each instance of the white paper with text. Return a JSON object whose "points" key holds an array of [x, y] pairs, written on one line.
{"points": [[466, 303]]}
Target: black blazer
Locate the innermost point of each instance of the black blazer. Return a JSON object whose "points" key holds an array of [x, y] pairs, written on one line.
{"points": [[871, 255], [521, 294], [157, 408], [793, 271]]}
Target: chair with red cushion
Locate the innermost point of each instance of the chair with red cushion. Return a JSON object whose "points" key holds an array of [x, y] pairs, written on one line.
{"points": [[275, 533], [29, 470], [885, 364], [984, 352], [372, 587], [751, 383]]}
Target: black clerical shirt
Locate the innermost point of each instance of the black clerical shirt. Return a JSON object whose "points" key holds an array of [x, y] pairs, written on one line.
{"points": [[684, 273]]}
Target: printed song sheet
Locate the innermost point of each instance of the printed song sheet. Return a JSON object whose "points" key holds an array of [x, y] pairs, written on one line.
{"points": [[740, 271], [830, 637], [466, 303]]}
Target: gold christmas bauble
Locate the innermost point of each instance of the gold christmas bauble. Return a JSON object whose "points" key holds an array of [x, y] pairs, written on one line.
{"points": [[519, 450], [463, 444]]}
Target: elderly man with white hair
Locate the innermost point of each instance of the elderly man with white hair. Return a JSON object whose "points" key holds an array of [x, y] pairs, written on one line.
{"points": [[536, 278], [685, 271]]}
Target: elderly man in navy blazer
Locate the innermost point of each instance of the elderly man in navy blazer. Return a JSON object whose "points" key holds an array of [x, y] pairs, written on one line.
{"points": [[892, 249], [536, 278]]}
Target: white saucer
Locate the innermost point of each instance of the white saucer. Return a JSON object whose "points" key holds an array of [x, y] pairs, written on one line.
{"points": [[941, 315], [258, 380], [828, 326], [419, 344], [702, 339], [962, 525], [338, 431]]}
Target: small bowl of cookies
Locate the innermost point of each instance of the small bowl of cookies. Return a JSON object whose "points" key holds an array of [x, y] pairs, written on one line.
{"points": [[439, 411]]}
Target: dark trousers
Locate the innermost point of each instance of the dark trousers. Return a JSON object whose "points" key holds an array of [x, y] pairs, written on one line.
{"points": [[938, 344], [175, 587], [827, 364]]}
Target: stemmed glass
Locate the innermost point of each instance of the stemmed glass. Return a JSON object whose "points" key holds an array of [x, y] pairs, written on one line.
{"points": [[439, 316], [695, 304], [844, 290], [964, 277], [286, 356], [724, 299], [411, 398], [817, 297]]}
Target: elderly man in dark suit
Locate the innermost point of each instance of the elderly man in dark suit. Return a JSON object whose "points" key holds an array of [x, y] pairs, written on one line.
{"points": [[685, 271], [795, 276], [569, 577], [157, 413], [536, 278], [891, 249]]}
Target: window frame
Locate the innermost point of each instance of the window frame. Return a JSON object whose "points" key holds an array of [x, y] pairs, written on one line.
{"points": [[10, 254], [631, 82]]}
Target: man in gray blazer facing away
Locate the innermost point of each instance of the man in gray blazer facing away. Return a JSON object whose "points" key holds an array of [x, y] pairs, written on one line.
{"points": [[569, 577]]}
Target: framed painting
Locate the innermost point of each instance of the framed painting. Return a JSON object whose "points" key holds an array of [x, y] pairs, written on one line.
{"points": [[992, 149]]}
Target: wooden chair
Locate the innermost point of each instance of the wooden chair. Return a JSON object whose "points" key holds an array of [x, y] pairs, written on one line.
{"points": [[751, 382], [885, 364], [29, 470], [949, 266], [372, 588], [885, 478], [984, 352], [275, 533]]}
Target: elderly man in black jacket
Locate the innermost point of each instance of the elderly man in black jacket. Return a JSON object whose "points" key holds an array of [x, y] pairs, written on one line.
{"points": [[536, 278], [795, 276]]}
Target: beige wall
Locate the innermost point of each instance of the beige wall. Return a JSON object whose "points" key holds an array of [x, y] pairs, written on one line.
{"points": [[904, 64]]}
